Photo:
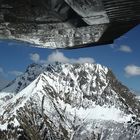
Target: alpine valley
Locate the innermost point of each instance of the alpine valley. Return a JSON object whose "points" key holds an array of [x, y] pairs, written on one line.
{"points": [[68, 102]]}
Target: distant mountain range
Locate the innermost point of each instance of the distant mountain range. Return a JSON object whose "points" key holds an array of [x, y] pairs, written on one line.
{"points": [[68, 102], [3, 83]]}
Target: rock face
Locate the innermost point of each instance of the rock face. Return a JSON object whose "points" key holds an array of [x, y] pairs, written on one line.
{"points": [[70, 102], [67, 23]]}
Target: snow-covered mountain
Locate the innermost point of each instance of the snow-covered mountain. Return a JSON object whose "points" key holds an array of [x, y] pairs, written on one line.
{"points": [[68, 102]]}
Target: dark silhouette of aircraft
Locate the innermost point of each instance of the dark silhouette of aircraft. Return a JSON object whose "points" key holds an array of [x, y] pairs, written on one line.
{"points": [[67, 23]]}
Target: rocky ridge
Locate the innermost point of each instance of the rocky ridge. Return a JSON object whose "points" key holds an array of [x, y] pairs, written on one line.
{"points": [[69, 101]]}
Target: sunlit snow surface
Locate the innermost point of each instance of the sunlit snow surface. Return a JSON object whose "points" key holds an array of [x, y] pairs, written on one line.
{"points": [[63, 89]]}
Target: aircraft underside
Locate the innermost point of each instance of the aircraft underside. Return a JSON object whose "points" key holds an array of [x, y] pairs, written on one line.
{"points": [[67, 23]]}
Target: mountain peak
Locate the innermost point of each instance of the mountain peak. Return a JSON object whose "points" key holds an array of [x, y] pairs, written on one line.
{"points": [[69, 95]]}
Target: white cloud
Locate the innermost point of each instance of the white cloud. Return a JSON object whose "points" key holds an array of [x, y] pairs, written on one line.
{"points": [[82, 60], [125, 48], [15, 73], [1, 70], [60, 57], [132, 70], [4, 74], [57, 56], [122, 37], [35, 57], [112, 46]]}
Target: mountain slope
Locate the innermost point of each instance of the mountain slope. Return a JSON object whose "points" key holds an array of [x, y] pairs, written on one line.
{"points": [[20, 82], [70, 101], [3, 83]]}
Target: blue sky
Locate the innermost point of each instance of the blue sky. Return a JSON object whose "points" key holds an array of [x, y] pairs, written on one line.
{"points": [[123, 57]]}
